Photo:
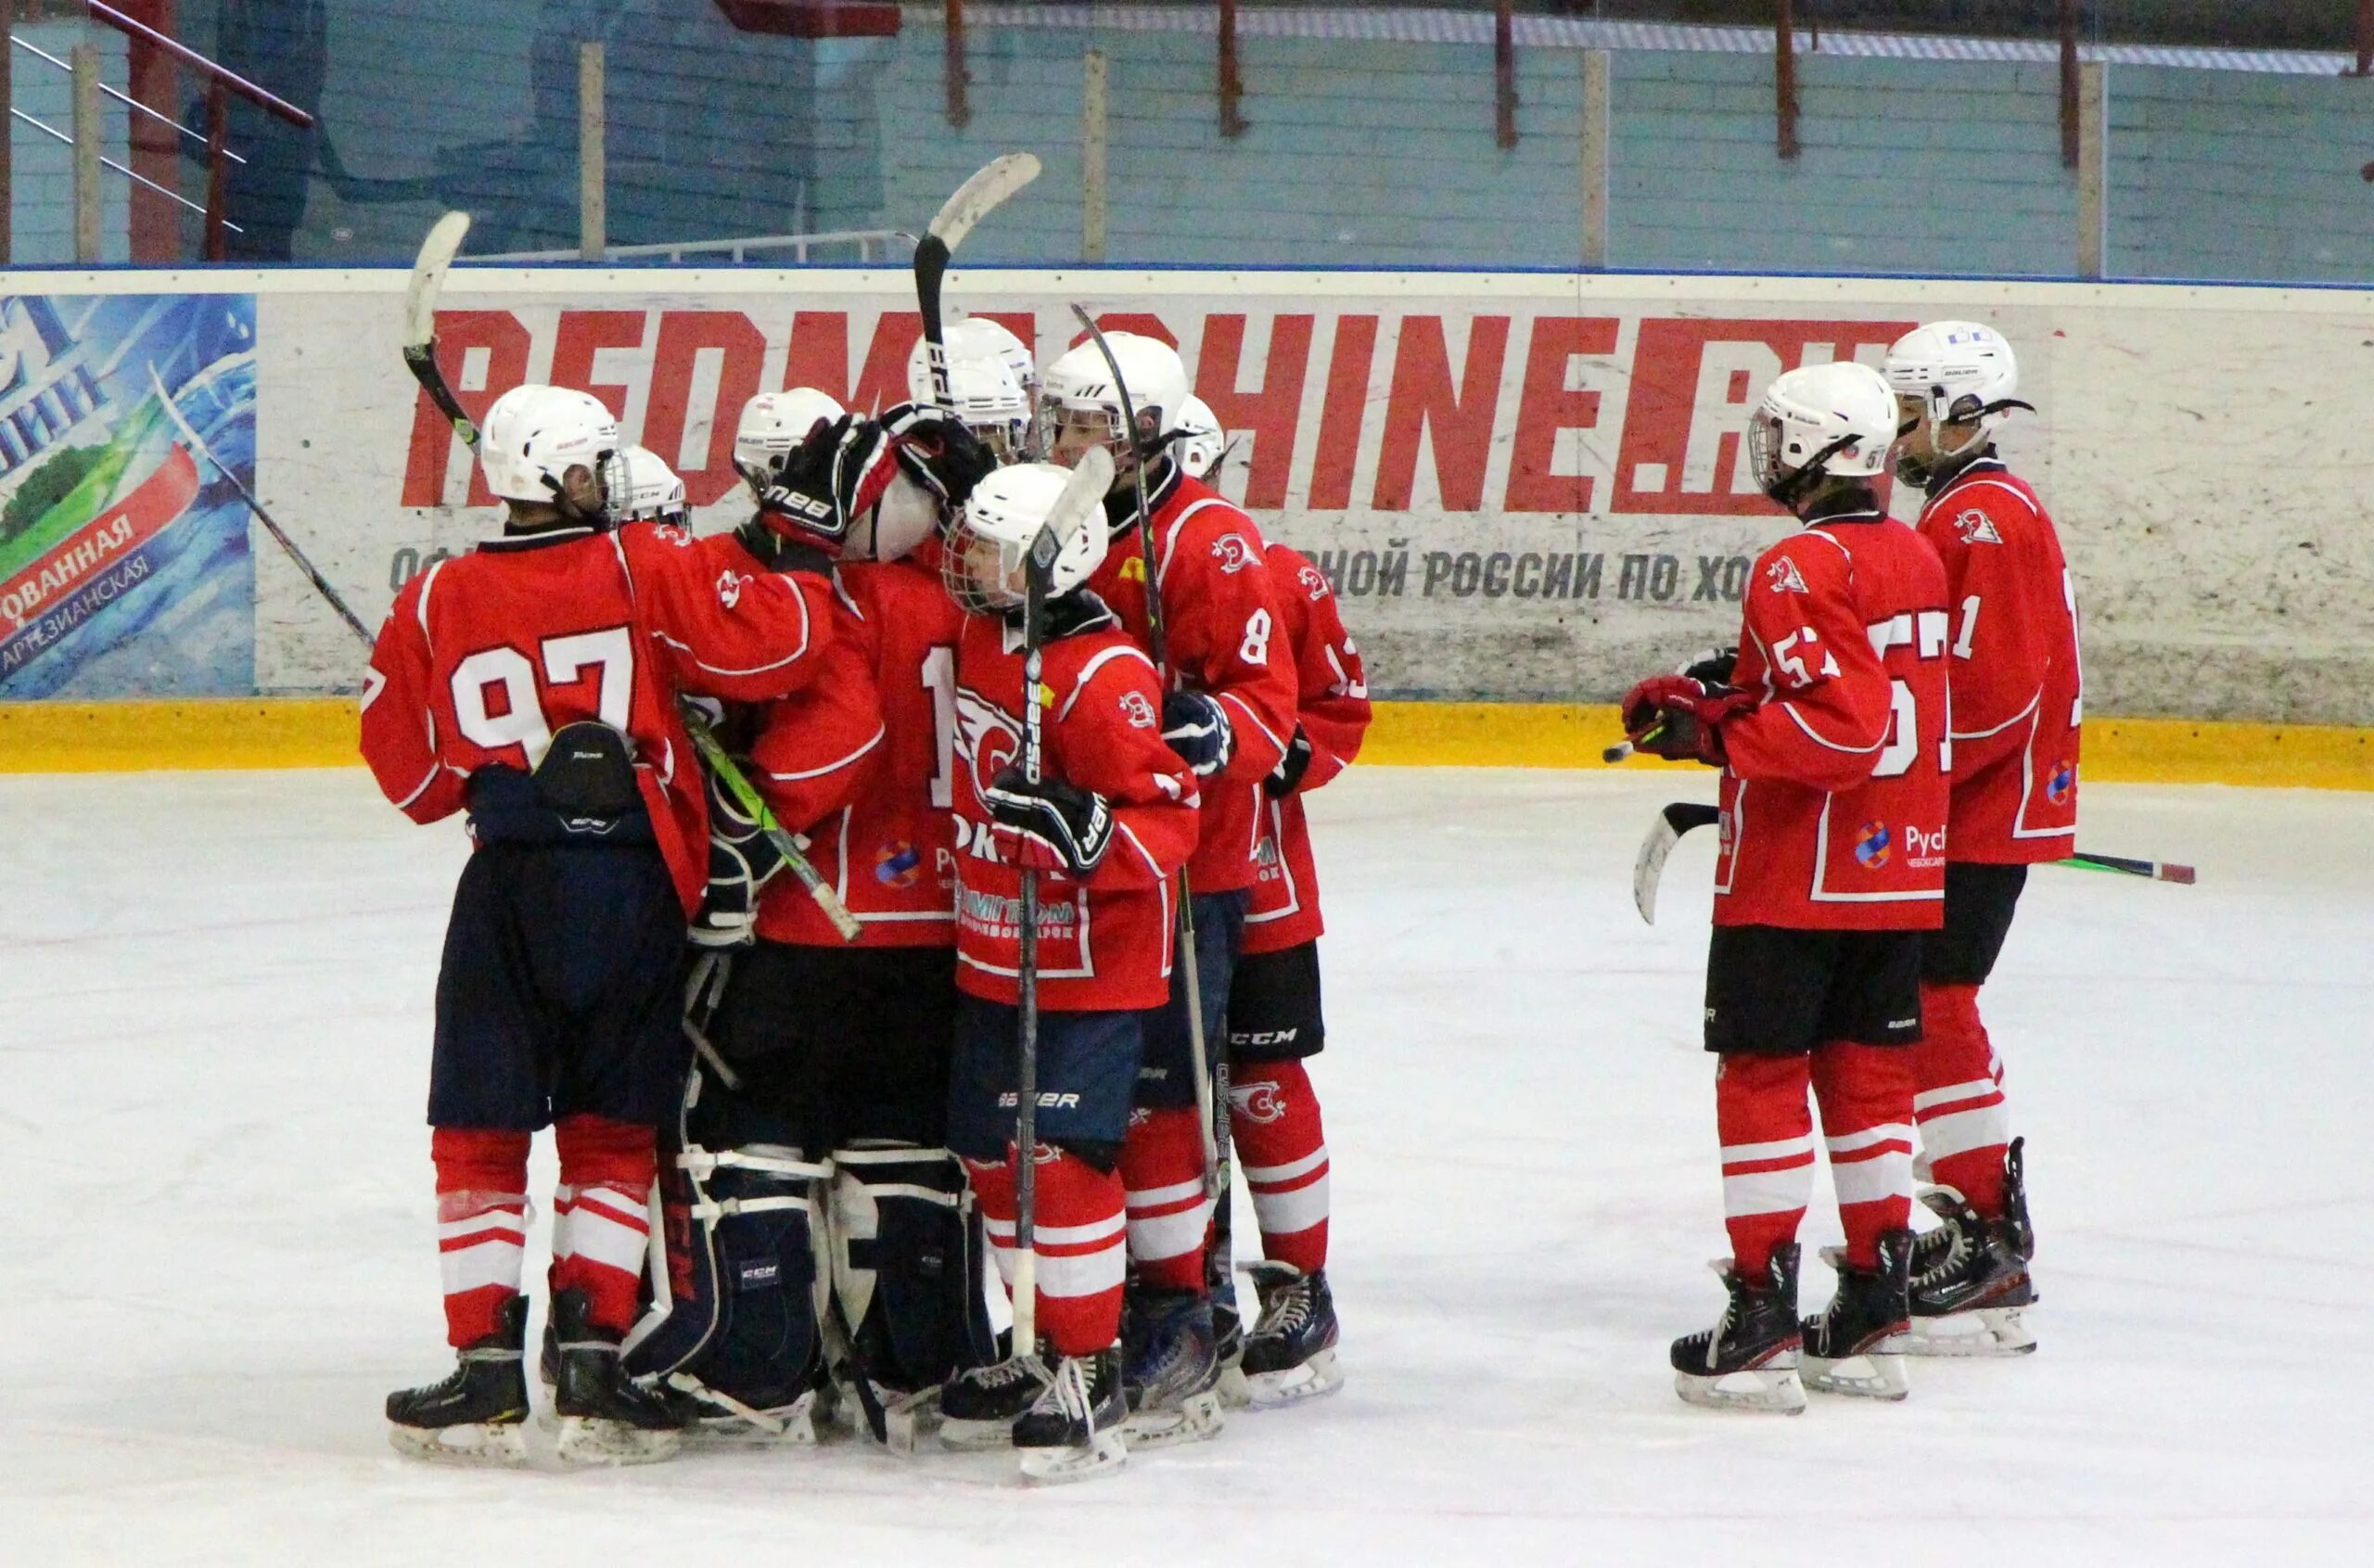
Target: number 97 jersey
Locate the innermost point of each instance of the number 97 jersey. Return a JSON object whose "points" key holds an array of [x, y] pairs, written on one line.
{"points": [[1834, 792]]}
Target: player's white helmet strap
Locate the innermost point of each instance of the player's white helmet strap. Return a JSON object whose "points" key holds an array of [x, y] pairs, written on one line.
{"points": [[1824, 421]]}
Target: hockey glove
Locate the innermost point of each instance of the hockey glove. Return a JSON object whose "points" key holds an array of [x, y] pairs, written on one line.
{"points": [[1196, 727], [741, 859], [1049, 826], [1679, 719], [1286, 777], [808, 496], [938, 451], [1712, 667]]}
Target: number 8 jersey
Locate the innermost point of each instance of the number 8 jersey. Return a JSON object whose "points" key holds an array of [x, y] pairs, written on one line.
{"points": [[1834, 788]]}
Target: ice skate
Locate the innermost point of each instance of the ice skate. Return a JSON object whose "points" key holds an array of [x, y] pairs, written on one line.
{"points": [[1173, 1374], [1748, 1360], [1290, 1355], [477, 1413], [713, 1418], [1971, 1284], [980, 1405], [605, 1417], [1856, 1347], [1074, 1430]]}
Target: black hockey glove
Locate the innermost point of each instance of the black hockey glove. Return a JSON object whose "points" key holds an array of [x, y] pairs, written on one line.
{"points": [[1711, 667], [808, 496], [1286, 777], [741, 859], [1196, 728], [1049, 826], [938, 451]]}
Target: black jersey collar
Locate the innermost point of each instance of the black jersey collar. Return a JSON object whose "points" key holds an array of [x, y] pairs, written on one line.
{"points": [[534, 539], [1856, 505], [1162, 482], [1076, 612]]}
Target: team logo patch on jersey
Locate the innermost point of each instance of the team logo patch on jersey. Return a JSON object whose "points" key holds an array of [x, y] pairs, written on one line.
{"points": [[1262, 1103], [1137, 709], [1233, 553], [729, 587], [668, 533], [2063, 781], [1977, 528], [1784, 578], [1873, 845], [1314, 582], [896, 864]]}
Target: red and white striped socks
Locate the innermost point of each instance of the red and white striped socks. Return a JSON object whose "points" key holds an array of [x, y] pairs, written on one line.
{"points": [[1866, 1097], [1076, 1237], [1957, 1099], [601, 1217], [1281, 1145], [1766, 1129], [1162, 1163], [482, 1214]]}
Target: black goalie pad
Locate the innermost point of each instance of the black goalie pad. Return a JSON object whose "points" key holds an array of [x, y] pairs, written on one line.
{"points": [[907, 1251]]}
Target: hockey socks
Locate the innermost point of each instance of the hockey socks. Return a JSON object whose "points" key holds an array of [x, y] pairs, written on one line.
{"points": [[1077, 1234], [482, 1226], [1768, 1133], [1866, 1097], [1275, 1122], [1957, 1099], [1162, 1161], [601, 1217]]}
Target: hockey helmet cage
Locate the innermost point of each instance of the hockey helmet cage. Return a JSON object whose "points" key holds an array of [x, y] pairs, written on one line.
{"points": [[644, 488], [991, 541]]}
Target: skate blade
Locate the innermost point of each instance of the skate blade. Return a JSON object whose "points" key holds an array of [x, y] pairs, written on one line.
{"points": [[792, 1427], [1193, 1419], [1877, 1374], [1769, 1390], [594, 1441], [1991, 1332], [500, 1444], [1288, 1385], [975, 1436], [1102, 1455]]}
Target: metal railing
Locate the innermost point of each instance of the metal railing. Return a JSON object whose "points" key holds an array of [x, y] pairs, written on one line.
{"points": [[85, 146], [869, 243]]}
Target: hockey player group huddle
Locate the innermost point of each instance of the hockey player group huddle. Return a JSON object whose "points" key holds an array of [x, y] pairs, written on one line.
{"points": [[756, 818]]}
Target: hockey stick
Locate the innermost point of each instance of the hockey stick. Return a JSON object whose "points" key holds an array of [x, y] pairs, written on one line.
{"points": [[745, 794], [974, 201], [1213, 1117], [1083, 496], [199, 448], [2157, 871], [437, 252]]}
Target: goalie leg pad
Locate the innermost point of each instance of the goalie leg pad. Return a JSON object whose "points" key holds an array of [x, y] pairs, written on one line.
{"points": [[906, 1254]]}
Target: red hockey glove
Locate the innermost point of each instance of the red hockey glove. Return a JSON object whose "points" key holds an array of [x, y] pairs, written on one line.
{"points": [[1675, 717]]}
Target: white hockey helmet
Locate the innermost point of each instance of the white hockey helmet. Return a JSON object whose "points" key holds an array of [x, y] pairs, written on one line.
{"points": [[535, 434], [1823, 421], [978, 338], [982, 386], [772, 423], [1960, 371], [644, 488], [991, 539], [1202, 443], [1079, 386]]}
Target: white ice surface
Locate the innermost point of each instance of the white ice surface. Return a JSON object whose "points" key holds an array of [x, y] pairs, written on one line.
{"points": [[218, 1257]]}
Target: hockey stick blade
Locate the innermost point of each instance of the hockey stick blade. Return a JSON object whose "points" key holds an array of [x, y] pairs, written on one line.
{"points": [[981, 195], [198, 449], [1663, 834], [1083, 498], [442, 243]]}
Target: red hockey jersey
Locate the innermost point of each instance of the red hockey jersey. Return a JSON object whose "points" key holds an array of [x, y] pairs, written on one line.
{"points": [[2017, 691], [1334, 711], [1834, 792], [864, 765], [484, 656], [1103, 944], [1220, 613]]}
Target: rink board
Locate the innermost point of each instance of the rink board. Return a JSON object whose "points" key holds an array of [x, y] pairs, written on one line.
{"points": [[1527, 487]]}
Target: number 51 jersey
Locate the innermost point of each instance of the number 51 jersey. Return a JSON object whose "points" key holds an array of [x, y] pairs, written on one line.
{"points": [[1834, 788]]}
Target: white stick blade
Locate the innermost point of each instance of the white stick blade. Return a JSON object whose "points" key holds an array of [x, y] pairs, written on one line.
{"points": [[979, 197], [1083, 494], [437, 253]]}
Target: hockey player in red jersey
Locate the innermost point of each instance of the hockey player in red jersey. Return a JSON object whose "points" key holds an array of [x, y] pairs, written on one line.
{"points": [[1108, 825], [2017, 708], [830, 1092], [1830, 730], [1229, 713], [533, 682]]}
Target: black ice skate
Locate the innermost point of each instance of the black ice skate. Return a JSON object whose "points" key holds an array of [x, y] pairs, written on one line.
{"points": [[479, 1413], [1856, 1347], [1748, 1360], [1969, 1276], [1173, 1372], [606, 1416], [980, 1405], [1074, 1430], [1290, 1355]]}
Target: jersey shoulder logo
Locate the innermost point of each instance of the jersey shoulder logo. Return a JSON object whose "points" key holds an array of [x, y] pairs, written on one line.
{"points": [[992, 739], [1137, 709], [1233, 553], [1314, 582], [1782, 577], [729, 587], [1976, 527], [668, 533]]}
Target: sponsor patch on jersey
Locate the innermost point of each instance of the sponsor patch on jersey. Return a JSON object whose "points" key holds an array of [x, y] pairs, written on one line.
{"points": [[896, 864], [729, 587], [2063, 779], [1977, 528], [1137, 709], [1783, 577], [1873, 845], [1234, 554]]}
